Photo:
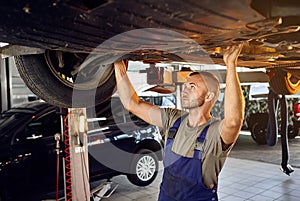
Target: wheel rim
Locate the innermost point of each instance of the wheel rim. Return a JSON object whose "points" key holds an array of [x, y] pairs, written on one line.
{"points": [[259, 134], [145, 168], [66, 67]]}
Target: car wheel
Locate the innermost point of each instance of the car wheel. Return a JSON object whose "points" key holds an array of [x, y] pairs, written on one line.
{"points": [[292, 132], [144, 167], [56, 76], [258, 123], [259, 133], [281, 83]]}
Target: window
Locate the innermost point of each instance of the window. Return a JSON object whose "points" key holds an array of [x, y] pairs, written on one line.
{"points": [[44, 126]]}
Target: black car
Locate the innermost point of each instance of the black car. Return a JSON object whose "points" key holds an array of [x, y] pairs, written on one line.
{"points": [[28, 154]]}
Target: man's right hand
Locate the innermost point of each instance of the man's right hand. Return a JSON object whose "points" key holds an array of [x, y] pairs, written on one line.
{"points": [[230, 55]]}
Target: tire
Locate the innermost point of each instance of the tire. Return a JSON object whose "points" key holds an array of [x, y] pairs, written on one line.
{"points": [[47, 82], [258, 123], [292, 132], [259, 133], [281, 83], [143, 159]]}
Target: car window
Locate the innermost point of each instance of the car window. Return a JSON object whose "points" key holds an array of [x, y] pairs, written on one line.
{"points": [[161, 101], [48, 124], [258, 91], [119, 114], [114, 113], [44, 126]]}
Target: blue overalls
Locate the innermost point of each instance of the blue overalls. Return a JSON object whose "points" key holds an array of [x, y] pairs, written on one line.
{"points": [[182, 178]]}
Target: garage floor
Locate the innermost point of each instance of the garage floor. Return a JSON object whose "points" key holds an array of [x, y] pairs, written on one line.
{"points": [[246, 148], [241, 179]]}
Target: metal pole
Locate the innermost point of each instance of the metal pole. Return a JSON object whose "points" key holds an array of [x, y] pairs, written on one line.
{"points": [[4, 79], [62, 114], [79, 154]]}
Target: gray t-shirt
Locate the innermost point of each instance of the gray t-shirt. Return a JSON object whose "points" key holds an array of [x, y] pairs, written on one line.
{"points": [[185, 142]]}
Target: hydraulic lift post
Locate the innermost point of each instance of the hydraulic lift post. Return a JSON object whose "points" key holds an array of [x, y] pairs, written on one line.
{"points": [[75, 163], [79, 166]]}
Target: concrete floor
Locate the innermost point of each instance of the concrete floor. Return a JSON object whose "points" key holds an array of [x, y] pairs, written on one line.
{"points": [[240, 180], [246, 148], [244, 177]]}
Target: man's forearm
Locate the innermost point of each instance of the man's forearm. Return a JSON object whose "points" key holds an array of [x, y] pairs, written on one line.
{"points": [[125, 89], [234, 101], [146, 111]]}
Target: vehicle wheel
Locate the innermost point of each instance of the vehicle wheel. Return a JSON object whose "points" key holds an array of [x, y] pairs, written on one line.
{"points": [[55, 77], [291, 135], [292, 131], [259, 133], [145, 167], [281, 83], [258, 123]]}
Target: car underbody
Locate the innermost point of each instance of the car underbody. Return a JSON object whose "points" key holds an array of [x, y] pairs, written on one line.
{"points": [[154, 31]]}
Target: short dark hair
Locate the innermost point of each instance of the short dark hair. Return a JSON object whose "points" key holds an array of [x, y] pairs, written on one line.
{"points": [[211, 81]]}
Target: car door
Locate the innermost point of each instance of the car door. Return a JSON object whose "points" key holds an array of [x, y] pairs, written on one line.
{"points": [[109, 143], [35, 145]]}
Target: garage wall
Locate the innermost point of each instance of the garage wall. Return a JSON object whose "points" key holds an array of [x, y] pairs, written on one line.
{"points": [[13, 89]]}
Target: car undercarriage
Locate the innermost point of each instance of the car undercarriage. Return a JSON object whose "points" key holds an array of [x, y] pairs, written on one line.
{"points": [[69, 33]]}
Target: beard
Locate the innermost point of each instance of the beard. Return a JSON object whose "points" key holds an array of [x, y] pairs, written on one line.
{"points": [[192, 104]]}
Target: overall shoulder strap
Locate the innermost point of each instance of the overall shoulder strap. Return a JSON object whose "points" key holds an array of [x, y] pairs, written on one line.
{"points": [[202, 136], [174, 128], [199, 143]]}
